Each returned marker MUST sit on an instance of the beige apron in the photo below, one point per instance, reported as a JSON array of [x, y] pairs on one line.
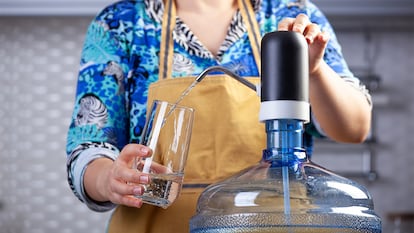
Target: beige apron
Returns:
[[226, 137]]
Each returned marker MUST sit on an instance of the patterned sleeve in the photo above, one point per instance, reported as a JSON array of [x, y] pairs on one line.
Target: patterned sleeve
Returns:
[[99, 124]]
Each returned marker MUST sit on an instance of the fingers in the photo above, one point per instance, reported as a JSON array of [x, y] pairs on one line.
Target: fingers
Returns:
[[323, 38], [311, 32], [286, 24], [319, 43], [125, 183], [302, 25], [316, 39], [122, 166], [131, 151], [158, 168], [124, 194], [298, 24], [128, 175]]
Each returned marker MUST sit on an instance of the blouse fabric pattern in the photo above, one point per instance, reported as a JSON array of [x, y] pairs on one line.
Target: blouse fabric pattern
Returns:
[[120, 60]]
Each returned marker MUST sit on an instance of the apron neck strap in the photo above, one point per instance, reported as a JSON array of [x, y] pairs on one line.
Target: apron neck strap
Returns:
[[167, 42], [253, 31], [168, 25]]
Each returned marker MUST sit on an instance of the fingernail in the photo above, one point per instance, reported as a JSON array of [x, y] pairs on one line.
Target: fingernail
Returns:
[[324, 37], [144, 179], [138, 204], [137, 191], [144, 150]]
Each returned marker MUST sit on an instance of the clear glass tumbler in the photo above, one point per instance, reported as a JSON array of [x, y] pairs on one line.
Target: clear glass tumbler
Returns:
[[167, 132]]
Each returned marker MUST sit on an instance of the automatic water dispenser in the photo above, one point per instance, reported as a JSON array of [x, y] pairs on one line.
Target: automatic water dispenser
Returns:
[[285, 191]]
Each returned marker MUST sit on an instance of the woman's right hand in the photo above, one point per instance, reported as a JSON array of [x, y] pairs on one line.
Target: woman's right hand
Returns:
[[317, 39], [116, 181]]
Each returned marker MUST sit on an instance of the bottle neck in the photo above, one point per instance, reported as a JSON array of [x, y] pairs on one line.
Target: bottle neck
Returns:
[[284, 142]]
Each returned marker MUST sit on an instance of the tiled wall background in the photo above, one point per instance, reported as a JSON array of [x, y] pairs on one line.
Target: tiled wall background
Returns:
[[39, 60], [38, 67]]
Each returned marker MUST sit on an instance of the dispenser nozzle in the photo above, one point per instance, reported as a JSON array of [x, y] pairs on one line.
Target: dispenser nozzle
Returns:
[[228, 72]]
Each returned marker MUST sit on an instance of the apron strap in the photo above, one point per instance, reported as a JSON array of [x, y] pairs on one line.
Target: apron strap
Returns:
[[168, 25], [167, 42], [249, 18]]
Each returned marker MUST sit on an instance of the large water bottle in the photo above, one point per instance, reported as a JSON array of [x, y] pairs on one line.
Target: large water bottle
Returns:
[[285, 192]]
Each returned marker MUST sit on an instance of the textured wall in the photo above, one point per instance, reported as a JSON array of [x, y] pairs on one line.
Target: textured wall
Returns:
[[390, 54], [39, 60], [38, 66]]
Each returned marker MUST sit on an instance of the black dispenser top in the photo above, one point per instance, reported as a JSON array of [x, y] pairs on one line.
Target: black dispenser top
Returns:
[[284, 67], [284, 79]]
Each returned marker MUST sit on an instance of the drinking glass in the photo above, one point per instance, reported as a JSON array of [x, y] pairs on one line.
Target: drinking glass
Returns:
[[167, 132]]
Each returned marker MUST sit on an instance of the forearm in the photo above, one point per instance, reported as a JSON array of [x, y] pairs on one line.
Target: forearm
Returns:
[[341, 109]]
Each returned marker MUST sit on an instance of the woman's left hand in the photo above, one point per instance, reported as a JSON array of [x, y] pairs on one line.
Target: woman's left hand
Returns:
[[317, 40]]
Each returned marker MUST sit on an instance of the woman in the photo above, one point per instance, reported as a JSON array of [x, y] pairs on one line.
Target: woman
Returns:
[[137, 51]]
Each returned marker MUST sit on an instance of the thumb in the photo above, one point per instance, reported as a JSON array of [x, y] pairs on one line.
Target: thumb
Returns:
[[317, 51], [320, 42]]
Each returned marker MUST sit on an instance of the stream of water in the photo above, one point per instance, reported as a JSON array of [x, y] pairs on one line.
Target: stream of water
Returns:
[[180, 98]]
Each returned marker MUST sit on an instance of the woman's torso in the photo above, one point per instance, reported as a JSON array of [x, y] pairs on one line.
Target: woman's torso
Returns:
[[190, 56]]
